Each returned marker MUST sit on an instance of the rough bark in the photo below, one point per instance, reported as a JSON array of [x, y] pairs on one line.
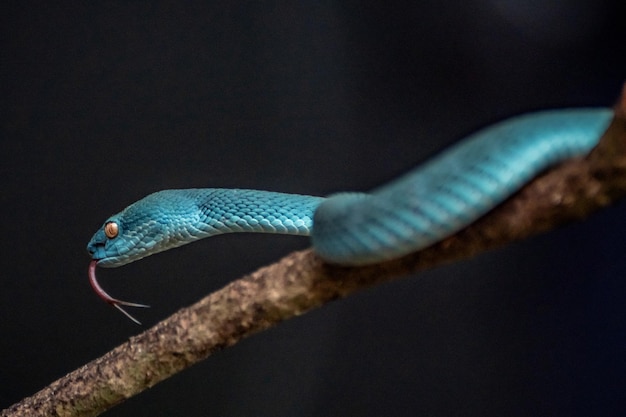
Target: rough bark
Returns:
[[301, 282]]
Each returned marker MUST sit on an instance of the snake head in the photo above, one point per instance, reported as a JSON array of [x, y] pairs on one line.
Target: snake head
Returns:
[[119, 242], [153, 224], [145, 227]]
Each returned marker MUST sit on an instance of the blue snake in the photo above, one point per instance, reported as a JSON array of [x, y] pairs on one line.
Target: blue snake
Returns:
[[431, 202]]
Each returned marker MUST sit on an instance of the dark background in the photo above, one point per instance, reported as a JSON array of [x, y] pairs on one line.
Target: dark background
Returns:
[[105, 102]]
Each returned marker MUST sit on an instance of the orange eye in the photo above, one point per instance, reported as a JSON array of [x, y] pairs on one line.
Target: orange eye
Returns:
[[111, 229]]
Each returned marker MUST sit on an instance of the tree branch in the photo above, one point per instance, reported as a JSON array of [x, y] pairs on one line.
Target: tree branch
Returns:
[[301, 282]]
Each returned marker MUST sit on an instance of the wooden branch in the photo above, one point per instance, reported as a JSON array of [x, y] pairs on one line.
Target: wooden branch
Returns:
[[301, 282]]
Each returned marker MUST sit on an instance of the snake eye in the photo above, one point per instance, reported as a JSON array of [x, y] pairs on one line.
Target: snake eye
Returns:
[[111, 229]]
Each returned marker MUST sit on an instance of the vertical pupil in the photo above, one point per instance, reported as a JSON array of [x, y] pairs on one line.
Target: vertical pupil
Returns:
[[110, 229]]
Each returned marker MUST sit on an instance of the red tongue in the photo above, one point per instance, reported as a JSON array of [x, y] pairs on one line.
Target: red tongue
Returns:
[[106, 297]]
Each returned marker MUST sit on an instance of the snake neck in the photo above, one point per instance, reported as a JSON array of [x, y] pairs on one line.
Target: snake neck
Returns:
[[240, 210]]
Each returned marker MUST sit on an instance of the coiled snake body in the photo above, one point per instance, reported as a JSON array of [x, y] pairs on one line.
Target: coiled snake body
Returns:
[[420, 208]]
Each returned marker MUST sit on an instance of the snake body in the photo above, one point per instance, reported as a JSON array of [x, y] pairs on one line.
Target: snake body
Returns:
[[414, 211]]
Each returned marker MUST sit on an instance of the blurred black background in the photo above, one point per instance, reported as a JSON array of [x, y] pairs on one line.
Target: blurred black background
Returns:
[[105, 102]]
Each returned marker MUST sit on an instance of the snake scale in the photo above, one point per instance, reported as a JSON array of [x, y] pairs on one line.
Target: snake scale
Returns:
[[427, 204]]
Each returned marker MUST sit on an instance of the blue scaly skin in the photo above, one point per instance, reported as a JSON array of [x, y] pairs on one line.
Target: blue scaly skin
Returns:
[[428, 204], [171, 218]]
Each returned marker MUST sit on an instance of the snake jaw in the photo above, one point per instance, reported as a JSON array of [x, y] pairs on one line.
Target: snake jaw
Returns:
[[107, 298]]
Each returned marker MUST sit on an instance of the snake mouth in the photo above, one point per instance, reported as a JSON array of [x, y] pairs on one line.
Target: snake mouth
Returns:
[[106, 297]]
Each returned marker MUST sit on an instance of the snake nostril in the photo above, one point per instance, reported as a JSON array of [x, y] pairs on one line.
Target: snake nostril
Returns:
[[92, 248]]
